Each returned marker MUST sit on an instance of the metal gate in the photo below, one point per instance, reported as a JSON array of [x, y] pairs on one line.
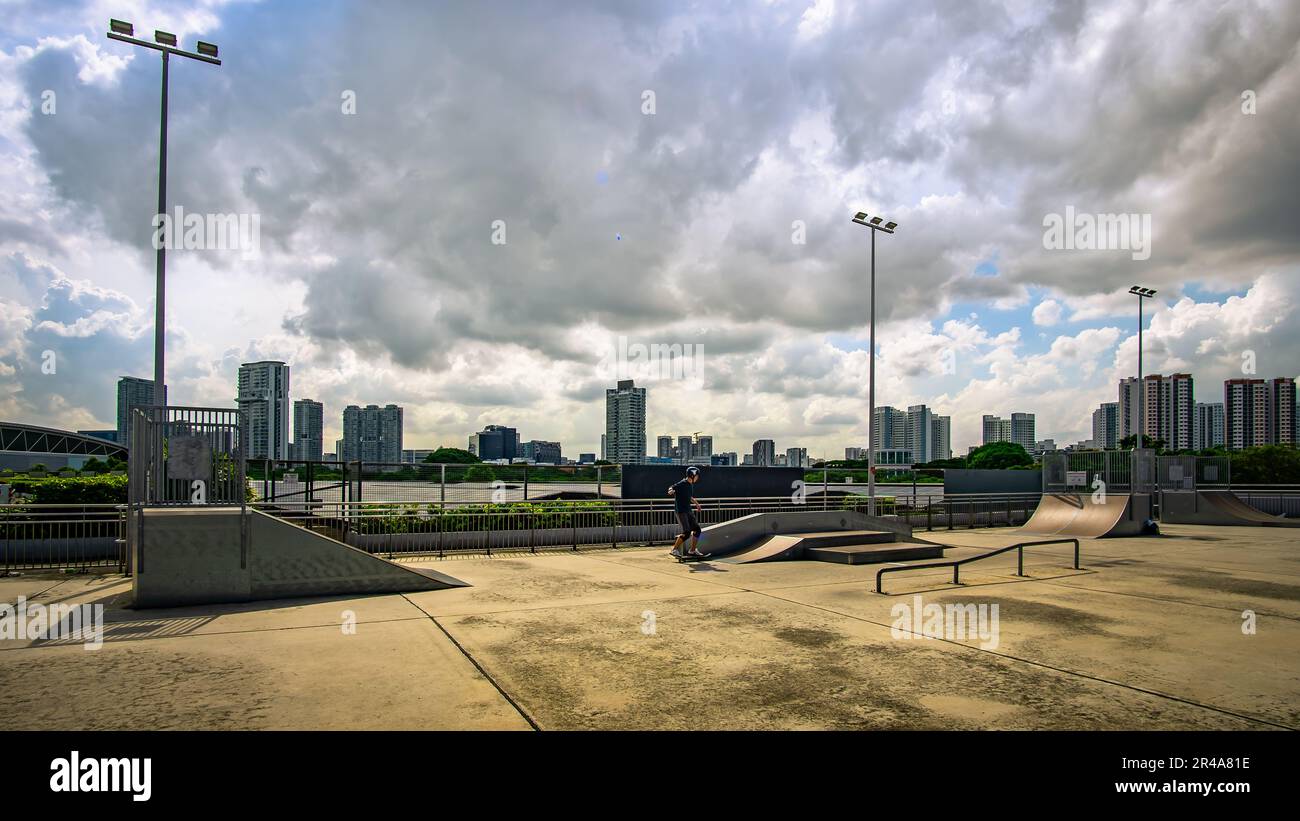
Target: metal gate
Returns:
[[1193, 472], [187, 456], [1122, 471], [183, 457]]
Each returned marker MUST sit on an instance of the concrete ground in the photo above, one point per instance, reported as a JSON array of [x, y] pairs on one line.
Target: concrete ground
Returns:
[[1149, 635]]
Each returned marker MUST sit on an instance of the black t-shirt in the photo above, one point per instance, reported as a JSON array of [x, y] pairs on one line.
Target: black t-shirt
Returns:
[[683, 492]]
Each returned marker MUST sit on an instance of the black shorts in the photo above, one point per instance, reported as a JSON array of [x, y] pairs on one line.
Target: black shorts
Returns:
[[689, 525]]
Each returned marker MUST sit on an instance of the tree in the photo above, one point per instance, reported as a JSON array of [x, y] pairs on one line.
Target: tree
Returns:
[[955, 462], [998, 456], [1267, 465], [1127, 442], [452, 456], [93, 465], [480, 473]]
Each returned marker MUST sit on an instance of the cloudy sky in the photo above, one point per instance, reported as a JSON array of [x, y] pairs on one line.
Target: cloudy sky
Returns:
[[469, 208]]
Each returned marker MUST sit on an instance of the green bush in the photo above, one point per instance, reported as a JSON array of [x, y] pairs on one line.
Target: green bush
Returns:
[[81, 490], [433, 518], [885, 505]]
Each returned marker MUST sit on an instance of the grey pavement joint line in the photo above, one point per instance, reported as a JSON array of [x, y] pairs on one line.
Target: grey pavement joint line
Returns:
[[524, 714]]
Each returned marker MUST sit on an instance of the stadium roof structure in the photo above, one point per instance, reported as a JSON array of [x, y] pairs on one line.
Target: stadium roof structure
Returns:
[[16, 437]]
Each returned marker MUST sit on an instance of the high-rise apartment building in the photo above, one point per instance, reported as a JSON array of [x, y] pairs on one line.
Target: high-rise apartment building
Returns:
[[1105, 426], [1282, 411], [796, 457], [941, 437], [1207, 426], [263, 396], [1245, 413], [920, 433], [703, 450], [625, 407], [1167, 404], [664, 449], [890, 429], [132, 392], [1018, 428], [764, 453], [372, 434], [308, 430]]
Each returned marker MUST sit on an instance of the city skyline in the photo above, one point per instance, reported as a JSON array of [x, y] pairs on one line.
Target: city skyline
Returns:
[[659, 233]]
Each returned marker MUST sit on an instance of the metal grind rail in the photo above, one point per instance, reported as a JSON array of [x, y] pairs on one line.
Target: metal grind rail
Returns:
[[956, 564]]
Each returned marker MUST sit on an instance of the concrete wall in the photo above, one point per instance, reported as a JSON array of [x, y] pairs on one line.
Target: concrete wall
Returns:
[[55, 551], [652, 481], [964, 480]]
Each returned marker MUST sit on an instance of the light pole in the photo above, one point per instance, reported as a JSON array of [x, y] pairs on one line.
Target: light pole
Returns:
[[1141, 293], [875, 224], [207, 53]]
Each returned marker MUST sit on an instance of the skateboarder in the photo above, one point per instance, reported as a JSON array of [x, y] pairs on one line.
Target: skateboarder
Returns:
[[683, 493]]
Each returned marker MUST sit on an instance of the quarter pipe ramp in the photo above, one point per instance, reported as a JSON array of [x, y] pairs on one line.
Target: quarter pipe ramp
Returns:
[[1074, 514], [1216, 507]]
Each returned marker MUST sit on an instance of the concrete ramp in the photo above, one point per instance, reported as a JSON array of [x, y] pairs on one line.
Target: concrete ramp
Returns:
[[846, 537], [745, 532], [1215, 507], [1074, 514], [210, 555]]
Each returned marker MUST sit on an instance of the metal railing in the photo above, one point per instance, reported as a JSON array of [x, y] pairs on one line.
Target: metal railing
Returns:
[[72, 535], [436, 528], [1277, 500], [313, 483], [956, 564], [53, 536]]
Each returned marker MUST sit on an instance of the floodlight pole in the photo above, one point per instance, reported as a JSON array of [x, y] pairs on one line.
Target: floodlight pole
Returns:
[[126, 35], [160, 292], [1142, 421], [871, 393], [875, 224]]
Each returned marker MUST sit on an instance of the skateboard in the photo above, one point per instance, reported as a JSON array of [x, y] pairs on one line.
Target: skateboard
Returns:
[[684, 559]]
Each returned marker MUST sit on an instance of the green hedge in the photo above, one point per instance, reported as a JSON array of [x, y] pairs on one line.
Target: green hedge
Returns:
[[79, 490], [885, 505], [432, 518]]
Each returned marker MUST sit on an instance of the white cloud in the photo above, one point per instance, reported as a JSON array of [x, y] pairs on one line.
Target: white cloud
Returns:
[[378, 282], [1047, 313]]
